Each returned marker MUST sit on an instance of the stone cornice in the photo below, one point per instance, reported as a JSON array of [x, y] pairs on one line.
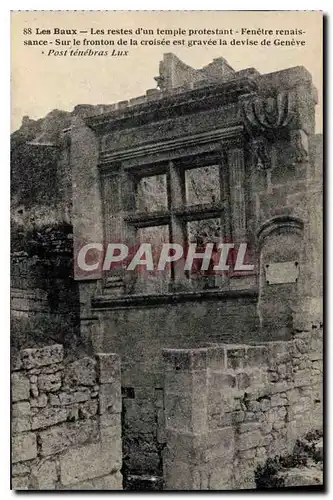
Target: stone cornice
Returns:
[[171, 106], [129, 301], [218, 135]]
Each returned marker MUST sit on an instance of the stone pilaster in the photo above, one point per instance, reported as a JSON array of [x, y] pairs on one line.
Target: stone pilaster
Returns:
[[237, 193], [186, 419]]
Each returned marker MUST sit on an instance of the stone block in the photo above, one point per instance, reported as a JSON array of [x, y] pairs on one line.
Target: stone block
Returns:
[[216, 357], [21, 417], [221, 381], [34, 358], [178, 382], [24, 447], [249, 454], [20, 386], [265, 404], [88, 462], [88, 409], [302, 378], [49, 382], [110, 421], [15, 361], [21, 409], [39, 402], [49, 416], [177, 476], [111, 482], [108, 366], [112, 435], [220, 444], [235, 357], [220, 475], [248, 427], [276, 414], [34, 390], [81, 372], [244, 474], [56, 367], [279, 352], [185, 359], [253, 406], [278, 400], [244, 380], [20, 483], [110, 398], [62, 436], [186, 412], [184, 447], [249, 440], [54, 400], [44, 476], [256, 356], [68, 398], [20, 469]]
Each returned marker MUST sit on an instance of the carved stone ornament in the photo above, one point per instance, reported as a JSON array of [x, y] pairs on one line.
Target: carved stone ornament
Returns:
[[266, 114], [263, 118]]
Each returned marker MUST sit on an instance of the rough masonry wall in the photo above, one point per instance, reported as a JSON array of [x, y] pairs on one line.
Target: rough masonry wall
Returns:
[[230, 407], [139, 335], [66, 430], [44, 295]]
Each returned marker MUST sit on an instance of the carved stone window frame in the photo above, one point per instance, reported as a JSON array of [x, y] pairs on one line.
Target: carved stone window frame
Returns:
[[213, 149]]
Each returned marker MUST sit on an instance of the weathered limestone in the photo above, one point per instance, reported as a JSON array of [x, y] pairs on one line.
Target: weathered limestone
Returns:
[[260, 130], [35, 358], [24, 447], [20, 387], [59, 437], [94, 460], [81, 372], [236, 406], [66, 422]]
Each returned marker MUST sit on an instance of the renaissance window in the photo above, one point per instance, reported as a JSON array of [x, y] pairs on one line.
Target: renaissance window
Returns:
[[186, 201]]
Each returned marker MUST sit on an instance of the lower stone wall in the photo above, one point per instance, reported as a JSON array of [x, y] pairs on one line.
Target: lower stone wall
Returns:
[[66, 421], [230, 407], [138, 335]]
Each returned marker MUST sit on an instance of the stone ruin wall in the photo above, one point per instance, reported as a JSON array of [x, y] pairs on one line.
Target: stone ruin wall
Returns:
[[145, 416], [230, 407], [226, 409], [66, 422]]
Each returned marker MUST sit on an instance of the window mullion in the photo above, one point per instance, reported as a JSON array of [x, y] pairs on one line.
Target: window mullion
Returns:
[[176, 194]]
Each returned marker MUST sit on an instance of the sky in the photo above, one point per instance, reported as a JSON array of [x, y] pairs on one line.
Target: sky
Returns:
[[41, 83]]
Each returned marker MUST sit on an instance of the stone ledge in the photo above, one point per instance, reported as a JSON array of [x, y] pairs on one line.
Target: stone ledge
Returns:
[[145, 300]]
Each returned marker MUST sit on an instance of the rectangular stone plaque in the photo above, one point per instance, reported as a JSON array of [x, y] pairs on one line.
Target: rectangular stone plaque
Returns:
[[282, 272]]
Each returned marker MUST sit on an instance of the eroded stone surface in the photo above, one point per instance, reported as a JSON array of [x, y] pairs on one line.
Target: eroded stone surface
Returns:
[[34, 358], [24, 447], [20, 387], [81, 372]]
